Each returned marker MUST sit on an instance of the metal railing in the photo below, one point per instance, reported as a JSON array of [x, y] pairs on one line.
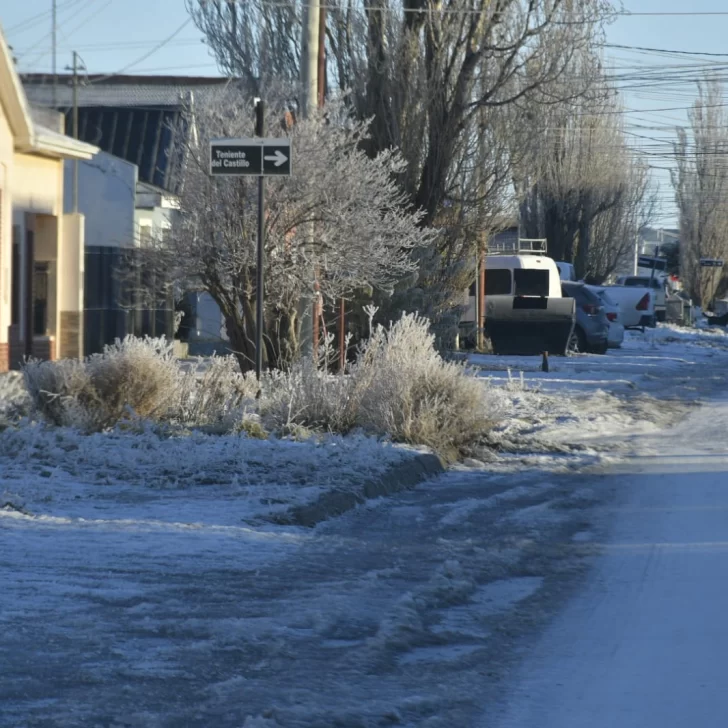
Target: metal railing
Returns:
[[521, 246]]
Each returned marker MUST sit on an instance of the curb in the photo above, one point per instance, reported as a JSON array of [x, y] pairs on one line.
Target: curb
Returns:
[[403, 476]]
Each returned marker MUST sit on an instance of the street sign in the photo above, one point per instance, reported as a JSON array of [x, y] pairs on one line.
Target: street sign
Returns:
[[711, 263], [646, 261], [255, 157]]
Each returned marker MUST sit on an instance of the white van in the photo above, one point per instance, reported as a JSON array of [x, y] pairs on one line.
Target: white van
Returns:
[[525, 273], [525, 311]]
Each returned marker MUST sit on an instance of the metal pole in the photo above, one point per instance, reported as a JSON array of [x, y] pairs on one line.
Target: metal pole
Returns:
[[75, 129], [476, 313], [309, 83], [54, 27], [481, 302], [342, 335], [259, 291]]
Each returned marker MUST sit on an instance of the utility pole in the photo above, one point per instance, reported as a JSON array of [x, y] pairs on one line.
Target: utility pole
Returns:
[[54, 28], [309, 83], [259, 292], [75, 68]]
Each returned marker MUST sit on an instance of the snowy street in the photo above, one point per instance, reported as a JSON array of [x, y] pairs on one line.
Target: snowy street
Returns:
[[645, 642], [576, 576]]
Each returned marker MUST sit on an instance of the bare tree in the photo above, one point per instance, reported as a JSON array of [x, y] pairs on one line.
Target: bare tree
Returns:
[[365, 229], [581, 186], [614, 232], [701, 190], [435, 79]]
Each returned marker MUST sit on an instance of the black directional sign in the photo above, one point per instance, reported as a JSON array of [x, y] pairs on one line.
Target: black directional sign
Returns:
[[267, 157], [711, 262], [646, 261]]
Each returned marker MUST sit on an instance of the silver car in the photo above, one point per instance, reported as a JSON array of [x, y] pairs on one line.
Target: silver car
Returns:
[[592, 325], [615, 336]]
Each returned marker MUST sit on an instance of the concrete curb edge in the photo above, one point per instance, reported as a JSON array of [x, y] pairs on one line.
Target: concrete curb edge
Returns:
[[402, 476]]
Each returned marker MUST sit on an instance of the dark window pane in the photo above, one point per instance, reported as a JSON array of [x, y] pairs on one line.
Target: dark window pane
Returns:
[[531, 282], [498, 282]]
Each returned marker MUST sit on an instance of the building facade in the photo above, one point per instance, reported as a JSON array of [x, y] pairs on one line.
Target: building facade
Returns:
[[41, 247]]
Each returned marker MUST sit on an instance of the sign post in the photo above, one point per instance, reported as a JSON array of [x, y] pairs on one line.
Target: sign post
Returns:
[[261, 158], [259, 283]]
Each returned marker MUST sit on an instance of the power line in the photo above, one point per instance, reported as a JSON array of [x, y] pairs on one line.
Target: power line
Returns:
[[144, 57], [31, 21]]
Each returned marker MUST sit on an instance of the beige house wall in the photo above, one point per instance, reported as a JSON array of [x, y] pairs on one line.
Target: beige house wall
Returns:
[[6, 202]]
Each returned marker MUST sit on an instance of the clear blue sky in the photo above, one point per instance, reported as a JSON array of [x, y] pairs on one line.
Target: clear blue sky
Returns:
[[115, 35]]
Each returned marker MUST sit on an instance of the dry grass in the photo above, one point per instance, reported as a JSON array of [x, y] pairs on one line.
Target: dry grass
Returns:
[[133, 378], [399, 387]]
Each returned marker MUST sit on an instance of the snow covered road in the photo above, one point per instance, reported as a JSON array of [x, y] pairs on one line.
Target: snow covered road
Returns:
[[128, 604], [645, 642]]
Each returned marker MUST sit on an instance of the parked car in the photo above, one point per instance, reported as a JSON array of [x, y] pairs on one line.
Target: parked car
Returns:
[[591, 331], [566, 271], [636, 305], [615, 337], [658, 286]]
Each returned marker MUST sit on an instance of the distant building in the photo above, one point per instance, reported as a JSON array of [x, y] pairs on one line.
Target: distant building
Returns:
[[41, 247], [145, 123]]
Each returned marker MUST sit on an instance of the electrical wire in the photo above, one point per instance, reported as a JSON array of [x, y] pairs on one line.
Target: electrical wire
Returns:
[[144, 57]]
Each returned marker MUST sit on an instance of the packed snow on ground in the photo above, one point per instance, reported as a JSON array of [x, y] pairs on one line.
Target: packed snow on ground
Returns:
[[644, 643], [197, 477], [586, 404], [142, 585]]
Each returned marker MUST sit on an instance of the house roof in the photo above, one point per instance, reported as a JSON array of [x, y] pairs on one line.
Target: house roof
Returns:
[[123, 91], [12, 97], [52, 143], [28, 135]]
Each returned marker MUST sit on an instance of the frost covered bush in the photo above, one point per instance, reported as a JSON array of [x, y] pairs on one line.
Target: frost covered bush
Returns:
[[131, 378], [14, 400], [399, 386], [309, 397], [217, 394], [408, 391]]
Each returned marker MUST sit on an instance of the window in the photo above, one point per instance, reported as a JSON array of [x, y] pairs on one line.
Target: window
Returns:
[[40, 299], [498, 282], [145, 235], [531, 282]]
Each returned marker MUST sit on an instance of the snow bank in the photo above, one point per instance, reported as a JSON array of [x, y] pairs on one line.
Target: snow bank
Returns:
[[43, 464]]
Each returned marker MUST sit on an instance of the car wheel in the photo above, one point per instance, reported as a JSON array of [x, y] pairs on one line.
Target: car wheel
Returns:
[[577, 342]]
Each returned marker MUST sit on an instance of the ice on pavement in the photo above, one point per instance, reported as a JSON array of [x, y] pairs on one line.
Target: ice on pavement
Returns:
[[141, 586]]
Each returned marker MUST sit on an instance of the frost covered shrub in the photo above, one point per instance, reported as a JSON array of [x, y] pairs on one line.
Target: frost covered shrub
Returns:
[[306, 396], [217, 393], [131, 378], [408, 391], [14, 401], [399, 386]]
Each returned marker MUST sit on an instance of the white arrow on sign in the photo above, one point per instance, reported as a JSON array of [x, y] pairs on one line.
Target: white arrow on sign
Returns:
[[278, 158]]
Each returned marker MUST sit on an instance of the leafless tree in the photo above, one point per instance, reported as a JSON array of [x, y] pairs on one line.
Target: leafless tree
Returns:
[[701, 190], [365, 229], [436, 79], [581, 186]]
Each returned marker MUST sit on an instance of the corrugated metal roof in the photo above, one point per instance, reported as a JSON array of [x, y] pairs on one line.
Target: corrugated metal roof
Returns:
[[123, 91]]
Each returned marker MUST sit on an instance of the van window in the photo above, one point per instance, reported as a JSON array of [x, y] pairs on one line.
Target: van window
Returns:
[[531, 282]]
